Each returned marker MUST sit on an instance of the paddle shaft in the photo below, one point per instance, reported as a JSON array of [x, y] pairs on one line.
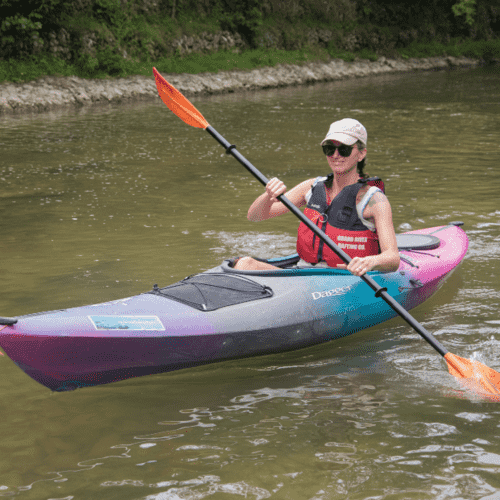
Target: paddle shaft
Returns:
[[379, 291]]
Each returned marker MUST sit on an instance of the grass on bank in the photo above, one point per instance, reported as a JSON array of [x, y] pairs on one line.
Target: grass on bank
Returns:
[[108, 64], [487, 50]]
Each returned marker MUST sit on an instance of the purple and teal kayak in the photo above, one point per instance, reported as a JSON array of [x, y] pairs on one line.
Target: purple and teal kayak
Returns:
[[223, 314]]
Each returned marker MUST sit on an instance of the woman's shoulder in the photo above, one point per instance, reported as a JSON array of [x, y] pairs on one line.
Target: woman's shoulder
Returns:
[[307, 184], [304, 189], [317, 180], [371, 196]]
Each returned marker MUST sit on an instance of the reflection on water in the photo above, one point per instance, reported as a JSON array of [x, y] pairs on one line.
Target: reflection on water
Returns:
[[101, 203]]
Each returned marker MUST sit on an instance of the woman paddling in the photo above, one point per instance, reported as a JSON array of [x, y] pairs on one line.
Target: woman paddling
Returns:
[[355, 215]]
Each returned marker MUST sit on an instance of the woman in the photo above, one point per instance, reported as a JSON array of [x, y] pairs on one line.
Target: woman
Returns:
[[356, 216]]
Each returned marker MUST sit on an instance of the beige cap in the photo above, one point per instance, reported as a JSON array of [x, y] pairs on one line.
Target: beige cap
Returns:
[[347, 131]]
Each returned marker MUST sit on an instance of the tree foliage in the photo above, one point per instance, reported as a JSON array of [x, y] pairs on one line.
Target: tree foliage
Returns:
[[77, 29], [465, 8]]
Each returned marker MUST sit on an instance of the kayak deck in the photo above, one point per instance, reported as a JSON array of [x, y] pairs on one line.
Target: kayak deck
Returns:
[[222, 314]]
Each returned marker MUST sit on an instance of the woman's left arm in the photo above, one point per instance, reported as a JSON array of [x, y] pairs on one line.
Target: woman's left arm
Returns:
[[379, 210]]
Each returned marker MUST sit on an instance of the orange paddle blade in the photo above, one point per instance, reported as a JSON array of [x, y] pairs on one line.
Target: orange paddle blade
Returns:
[[177, 103], [476, 373]]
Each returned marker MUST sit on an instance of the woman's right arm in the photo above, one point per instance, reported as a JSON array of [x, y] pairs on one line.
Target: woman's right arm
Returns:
[[267, 205]]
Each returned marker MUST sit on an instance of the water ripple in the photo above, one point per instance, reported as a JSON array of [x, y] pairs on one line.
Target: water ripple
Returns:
[[252, 243]]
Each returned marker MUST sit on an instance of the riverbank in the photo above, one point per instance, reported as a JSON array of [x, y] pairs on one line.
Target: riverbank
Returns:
[[49, 93]]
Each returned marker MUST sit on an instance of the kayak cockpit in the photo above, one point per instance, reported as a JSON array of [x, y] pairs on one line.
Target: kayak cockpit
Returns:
[[288, 265]]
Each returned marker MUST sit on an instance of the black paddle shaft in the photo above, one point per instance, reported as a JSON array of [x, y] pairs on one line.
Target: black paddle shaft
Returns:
[[379, 291]]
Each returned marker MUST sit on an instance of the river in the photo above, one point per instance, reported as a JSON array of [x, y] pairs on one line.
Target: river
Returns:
[[102, 203]]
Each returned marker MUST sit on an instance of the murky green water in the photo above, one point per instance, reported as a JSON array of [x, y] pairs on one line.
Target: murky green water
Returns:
[[103, 203]]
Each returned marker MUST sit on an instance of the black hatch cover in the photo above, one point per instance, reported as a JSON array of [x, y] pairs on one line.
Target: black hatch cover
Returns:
[[210, 291]]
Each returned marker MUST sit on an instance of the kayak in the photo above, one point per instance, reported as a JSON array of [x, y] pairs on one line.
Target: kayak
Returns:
[[224, 314]]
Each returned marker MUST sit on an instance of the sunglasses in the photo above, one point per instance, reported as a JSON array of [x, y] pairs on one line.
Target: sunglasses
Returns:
[[345, 151]]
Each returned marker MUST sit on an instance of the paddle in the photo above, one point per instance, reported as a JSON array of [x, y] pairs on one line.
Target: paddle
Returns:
[[478, 375]]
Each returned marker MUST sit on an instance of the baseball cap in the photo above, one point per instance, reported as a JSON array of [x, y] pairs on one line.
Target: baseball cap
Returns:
[[347, 131]]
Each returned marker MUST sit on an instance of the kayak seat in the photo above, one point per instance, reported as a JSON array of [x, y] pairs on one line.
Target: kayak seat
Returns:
[[283, 262], [211, 291]]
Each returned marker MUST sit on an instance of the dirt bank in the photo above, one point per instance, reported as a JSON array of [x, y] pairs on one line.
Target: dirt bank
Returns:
[[52, 92]]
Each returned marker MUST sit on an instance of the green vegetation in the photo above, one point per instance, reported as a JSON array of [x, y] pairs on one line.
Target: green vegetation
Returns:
[[227, 60], [487, 50], [110, 38], [465, 8], [31, 68]]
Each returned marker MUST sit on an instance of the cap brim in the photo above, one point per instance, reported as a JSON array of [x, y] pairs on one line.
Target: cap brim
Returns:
[[346, 139]]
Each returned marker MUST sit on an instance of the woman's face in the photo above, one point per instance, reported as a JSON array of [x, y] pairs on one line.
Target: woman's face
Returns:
[[342, 165]]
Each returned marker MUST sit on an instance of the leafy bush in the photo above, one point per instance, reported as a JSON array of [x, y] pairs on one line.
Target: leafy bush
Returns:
[[465, 8], [20, 35], [241, 16], [488, 50], [110, 12]]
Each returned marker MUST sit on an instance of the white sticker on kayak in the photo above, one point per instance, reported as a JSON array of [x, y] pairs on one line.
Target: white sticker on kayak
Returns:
[[127, 323], [331, 293]]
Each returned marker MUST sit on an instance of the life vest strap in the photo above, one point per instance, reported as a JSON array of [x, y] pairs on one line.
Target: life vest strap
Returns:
[[373, 181]]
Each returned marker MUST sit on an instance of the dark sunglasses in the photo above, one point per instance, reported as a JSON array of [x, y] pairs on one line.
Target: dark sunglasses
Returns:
[[345, 151]]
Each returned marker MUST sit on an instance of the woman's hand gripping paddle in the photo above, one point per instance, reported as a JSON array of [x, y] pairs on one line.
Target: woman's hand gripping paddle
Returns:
[[476, 376]]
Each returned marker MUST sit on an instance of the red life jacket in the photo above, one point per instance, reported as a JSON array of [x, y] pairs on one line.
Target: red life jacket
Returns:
[[340, 221]]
